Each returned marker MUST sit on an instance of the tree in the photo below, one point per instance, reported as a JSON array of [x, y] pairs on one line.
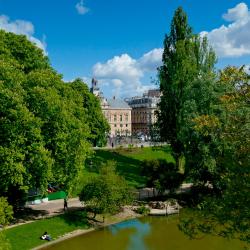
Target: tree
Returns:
[[107, 192], [226, 210], [46, 129], [186, 57], [162, 175], [176, 70], [20, 136], [98, 124]]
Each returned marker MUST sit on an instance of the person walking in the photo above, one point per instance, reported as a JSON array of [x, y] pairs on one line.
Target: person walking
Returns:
[[65, 205]]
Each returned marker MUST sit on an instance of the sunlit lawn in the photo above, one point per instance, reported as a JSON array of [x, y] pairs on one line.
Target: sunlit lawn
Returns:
[[128, 161], [28, 235]]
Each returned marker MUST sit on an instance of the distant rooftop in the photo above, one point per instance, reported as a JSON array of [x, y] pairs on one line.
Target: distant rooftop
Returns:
[[118, 104]]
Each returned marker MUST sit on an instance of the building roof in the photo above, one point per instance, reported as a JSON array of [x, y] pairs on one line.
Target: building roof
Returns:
[[118, 104]]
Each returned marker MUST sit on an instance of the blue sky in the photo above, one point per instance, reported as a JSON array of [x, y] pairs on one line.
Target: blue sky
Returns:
[[120, 42]]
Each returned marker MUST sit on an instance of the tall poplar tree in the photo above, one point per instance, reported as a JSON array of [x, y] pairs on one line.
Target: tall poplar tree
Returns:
[[173, 75], [186, 57]]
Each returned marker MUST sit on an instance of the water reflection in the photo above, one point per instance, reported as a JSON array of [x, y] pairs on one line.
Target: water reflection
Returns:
[[136, 240], [147, 233]]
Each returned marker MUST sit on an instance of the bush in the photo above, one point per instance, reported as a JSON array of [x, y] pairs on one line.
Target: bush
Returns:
[[6, 211], [143, 210], [161, 175]]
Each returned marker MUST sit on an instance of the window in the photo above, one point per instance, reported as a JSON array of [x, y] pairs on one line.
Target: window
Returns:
[[126, 125], [115, 118], [121, 125], [120, 118], [115, 125]]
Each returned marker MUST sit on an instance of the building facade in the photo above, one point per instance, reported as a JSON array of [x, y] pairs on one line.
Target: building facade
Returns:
[[116, 111], [143, 114], [118, 114]]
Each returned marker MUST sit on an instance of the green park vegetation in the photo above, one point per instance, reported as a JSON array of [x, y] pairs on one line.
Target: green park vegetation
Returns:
[[48, 128], [27, 236], [106, 193], [205, 114], [128, 161]]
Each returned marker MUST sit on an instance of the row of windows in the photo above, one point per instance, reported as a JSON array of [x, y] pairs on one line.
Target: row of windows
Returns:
[[116, 117], [121, 125], [121, 117]]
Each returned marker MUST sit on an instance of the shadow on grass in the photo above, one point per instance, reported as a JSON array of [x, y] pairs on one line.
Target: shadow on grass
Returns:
[[128, 161], [127, 167], [76, 218]]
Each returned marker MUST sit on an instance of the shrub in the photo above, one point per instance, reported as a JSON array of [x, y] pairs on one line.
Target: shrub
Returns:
[[143, 210]]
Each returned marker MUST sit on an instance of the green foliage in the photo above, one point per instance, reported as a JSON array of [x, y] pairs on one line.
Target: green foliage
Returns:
[[162, 175], [98, 124], [143, 210], [106, 193], [186, 58], [46, 126], [6, 215], [6, 212], [205, 117], [228, 127], [23, 54]]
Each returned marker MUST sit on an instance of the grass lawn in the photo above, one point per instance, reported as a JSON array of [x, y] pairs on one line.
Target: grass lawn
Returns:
[[28, 235], [128, 161]]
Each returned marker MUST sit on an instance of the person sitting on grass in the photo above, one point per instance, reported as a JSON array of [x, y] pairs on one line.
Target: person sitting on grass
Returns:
[[46, 236]]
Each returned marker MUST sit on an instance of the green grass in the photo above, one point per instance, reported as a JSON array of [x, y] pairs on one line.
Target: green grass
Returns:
[[28, 235], [128, 162]]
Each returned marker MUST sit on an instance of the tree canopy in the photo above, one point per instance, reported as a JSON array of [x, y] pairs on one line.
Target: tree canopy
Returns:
[[46, 131], [186, 57], [204, 114], [107, 192], [162, 175]]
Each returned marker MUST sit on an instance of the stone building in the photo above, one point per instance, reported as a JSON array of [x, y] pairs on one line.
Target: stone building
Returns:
[[118, 114], [143, 114], [116, 111]]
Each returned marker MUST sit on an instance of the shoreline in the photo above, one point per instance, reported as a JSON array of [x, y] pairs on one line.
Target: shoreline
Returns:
[[110, 221]]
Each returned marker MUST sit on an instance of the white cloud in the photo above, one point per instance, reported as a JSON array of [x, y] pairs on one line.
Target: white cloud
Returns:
[[22, 27], [232, 40], [240, 11], [81, 9], [124, 73], [151, 60]]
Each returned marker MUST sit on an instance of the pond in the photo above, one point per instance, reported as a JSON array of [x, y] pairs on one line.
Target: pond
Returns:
[[148, 233]]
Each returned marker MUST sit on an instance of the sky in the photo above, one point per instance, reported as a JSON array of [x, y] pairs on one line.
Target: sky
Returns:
[[120, 42]]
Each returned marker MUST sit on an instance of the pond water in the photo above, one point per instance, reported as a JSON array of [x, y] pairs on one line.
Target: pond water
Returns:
[[148, 233]]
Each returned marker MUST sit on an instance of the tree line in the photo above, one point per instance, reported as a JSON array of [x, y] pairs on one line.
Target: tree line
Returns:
[[204, 115]]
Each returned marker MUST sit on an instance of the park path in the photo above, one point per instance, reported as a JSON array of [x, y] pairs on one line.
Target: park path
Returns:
[[55, 207]]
